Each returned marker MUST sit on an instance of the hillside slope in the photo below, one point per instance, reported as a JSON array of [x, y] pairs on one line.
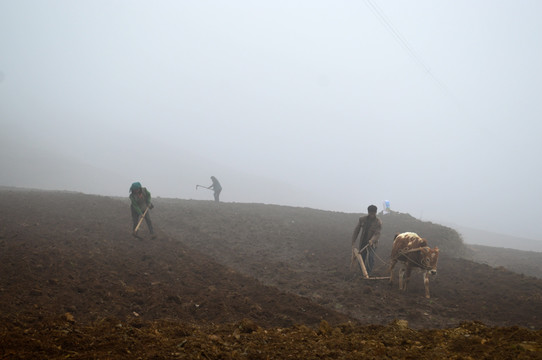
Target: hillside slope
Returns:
[[519, 261], [487, 238], [67, 252], [238, 281], [64, 252], [307, 252]]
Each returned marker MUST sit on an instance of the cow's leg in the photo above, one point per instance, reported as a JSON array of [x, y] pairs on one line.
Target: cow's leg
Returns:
[[407, 275], [426, 284], [402, 278], [393, 262]]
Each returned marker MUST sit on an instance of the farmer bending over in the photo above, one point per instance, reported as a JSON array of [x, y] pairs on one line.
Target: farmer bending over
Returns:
[[140, 199]]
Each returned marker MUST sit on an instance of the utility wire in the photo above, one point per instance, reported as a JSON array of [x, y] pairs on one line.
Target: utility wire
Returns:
[[379, 13]]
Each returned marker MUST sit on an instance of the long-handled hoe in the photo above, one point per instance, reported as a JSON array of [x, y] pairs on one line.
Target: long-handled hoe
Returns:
[[140, 222]]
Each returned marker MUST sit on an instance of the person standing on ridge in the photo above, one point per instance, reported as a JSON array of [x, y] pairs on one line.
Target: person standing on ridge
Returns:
[[216, 188], [370, 234], [140, 200]]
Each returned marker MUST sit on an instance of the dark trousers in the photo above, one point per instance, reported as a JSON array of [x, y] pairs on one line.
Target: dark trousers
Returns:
[[217, 195], [135, 220], [368, 258]]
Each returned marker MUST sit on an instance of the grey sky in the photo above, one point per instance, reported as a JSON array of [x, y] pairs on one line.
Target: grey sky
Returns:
[[335, 105]]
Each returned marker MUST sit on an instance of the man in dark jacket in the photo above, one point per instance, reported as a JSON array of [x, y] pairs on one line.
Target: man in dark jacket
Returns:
[[140, 200], [370, 234]]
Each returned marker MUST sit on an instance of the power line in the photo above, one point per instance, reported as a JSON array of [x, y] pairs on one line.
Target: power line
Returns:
[[379, 13]]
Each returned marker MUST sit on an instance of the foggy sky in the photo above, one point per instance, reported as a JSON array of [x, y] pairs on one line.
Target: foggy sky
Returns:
[[335, 105]]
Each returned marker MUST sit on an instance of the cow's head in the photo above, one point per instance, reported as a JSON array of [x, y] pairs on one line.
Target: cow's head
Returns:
[[430, 259]]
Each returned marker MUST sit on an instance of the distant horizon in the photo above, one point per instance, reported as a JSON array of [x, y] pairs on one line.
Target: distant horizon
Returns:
[[470, 235]]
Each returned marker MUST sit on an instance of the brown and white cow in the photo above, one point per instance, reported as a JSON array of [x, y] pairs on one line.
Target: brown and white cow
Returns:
[[412, 251]]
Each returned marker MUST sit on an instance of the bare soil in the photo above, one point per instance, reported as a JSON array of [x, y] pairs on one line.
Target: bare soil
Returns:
[[240, 281]]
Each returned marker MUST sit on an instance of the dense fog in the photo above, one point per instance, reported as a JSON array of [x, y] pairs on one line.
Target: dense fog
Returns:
[[330, 105]]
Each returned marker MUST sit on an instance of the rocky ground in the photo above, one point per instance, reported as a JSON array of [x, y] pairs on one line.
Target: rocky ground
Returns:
[[240, 281]]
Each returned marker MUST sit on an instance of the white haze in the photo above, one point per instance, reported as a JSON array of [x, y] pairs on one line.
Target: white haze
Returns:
[[433, 105]]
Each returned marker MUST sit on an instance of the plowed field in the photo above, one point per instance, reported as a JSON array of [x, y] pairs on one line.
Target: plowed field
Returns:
[[240, 281]]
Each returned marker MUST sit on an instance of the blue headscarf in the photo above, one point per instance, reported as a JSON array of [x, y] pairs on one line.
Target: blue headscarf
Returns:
[[135, 186]]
